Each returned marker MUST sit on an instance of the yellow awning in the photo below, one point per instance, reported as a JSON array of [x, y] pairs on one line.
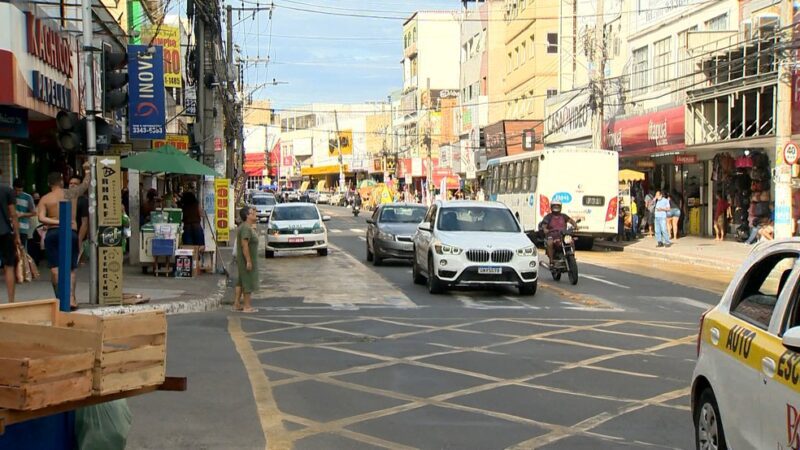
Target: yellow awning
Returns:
[[322, 170], [304, 186], [321, 186], [630, 175]]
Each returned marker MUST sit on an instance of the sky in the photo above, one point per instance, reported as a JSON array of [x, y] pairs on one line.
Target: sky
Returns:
[[325, 57]]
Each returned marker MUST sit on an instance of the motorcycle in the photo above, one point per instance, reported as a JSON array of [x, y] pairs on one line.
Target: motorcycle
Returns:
[[564, 257], [356, 210]]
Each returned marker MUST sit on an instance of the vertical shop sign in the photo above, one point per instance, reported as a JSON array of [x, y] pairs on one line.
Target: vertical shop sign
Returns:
[[169, 38], [110, 233], [223, 205], [146, 108]]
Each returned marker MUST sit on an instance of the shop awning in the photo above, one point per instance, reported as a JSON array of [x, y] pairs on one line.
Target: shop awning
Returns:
[[630, 175], [167, 159], [304, 186], [321, 186], [322, 170]]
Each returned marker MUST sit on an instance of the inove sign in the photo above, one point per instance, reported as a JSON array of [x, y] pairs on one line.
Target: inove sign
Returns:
[[146, 107], [562, 197]]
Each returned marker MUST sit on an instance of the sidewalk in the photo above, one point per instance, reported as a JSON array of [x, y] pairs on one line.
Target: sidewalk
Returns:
[[172, 295], [707, 252]]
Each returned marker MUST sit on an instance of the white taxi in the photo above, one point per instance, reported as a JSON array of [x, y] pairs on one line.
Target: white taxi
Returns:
[[746, 383], [466, 243], [296, 227]]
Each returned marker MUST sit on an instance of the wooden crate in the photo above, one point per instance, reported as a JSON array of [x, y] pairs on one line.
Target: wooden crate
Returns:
[[130, 349], [41, 366]]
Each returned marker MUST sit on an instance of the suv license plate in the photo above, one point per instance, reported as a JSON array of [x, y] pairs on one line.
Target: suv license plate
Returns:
[[294, 240], [490, 270]]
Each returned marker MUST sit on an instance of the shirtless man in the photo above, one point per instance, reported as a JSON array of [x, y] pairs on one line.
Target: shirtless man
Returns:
[[48, 215]]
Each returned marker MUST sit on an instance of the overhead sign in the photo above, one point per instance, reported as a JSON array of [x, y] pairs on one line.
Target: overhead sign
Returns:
[[685, 159], [169, 38], [146, 109], [179, 141], [189, 102], [656, 132], [568, 120], [110, 233], [223, 205], [13, 122], [345, 143], [790, 153]]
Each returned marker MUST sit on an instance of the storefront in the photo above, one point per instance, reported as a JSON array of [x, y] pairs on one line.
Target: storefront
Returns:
[[39, 74]]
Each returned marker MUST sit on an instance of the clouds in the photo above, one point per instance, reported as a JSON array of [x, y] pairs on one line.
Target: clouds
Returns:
[[339, 58]]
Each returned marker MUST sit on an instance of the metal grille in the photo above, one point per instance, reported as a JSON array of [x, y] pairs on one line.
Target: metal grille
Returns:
[[502, 256], [478, 255]]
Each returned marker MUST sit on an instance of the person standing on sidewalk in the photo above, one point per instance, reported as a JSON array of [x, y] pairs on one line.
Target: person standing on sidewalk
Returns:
[[25, 210], [662, 207], [48, 212], [650, 209], [720, 217], [9, 238], [246, 264]]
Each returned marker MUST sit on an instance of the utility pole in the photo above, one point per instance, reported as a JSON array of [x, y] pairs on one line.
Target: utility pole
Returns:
[[429, 146], [231, 91], [598, 78], [91, 143], [339, 148], [200, 50], [783, 132]]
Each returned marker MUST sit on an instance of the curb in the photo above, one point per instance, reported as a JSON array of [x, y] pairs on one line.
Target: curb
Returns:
[[211, 303], [666, 256]]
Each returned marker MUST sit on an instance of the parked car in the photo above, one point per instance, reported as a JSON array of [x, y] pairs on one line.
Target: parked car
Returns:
[[263, 204], [471, 243], [390, 230], [311, 196], [337, 199], [296, 227], [324, 198], [746, 383]]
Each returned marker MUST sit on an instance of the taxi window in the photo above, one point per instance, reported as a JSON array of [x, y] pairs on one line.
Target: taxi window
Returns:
[[758, 294], [792, 317]]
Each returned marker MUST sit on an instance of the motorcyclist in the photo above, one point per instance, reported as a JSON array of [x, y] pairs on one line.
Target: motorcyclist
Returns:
[[554, 224], [357, 201]]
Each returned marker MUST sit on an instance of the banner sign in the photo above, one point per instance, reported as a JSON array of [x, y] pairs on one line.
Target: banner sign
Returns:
[[657, 132], [13, 122], [179, 141], [110, 233], [223, 205], [146, 108], [170, 39], [189, 102]]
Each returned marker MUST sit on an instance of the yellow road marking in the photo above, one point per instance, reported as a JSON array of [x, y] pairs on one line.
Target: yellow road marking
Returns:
[[275, 435]]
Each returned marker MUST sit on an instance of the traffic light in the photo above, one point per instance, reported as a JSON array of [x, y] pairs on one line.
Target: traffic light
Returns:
[[70, 131], [115, 78], [103, 133]]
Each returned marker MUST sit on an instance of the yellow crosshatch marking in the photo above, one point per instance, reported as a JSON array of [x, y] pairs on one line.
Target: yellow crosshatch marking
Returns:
[[548, 330]]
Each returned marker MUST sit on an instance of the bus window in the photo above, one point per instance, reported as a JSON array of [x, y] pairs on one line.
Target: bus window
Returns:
[[503, 179], [489, 180], [518, 176], [526, 176], [534, 174]]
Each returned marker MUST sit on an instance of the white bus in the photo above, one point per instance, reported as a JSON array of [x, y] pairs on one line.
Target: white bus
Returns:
[[585, 180]]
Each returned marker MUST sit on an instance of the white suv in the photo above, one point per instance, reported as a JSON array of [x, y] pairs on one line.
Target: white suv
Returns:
[[473, 244], [296, 227]]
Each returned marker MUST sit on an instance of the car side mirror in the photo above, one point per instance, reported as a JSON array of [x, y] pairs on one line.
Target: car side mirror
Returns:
[[370, 221], [326, 218], [791, 338], [425, 226]]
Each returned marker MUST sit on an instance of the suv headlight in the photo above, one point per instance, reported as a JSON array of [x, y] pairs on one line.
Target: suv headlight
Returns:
[[444, 249], [384, 236], [527, 251]]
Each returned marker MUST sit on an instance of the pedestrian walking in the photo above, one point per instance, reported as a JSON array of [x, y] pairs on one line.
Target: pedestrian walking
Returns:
[[720, 217], [246, 263], [193, 233], [9, 238], [661, 209], [673, 215], [26, 209], [650, 205], [634, 219], [83, 219]]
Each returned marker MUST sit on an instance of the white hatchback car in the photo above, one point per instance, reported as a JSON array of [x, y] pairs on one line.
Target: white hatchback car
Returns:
[[746, 383], [472, 244], [296, 227]]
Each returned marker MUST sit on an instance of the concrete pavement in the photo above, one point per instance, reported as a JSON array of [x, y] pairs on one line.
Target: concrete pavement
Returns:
[[704, 252]]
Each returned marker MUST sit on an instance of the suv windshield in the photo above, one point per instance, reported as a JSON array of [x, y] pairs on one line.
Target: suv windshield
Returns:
[[295, 213], [403, 214], [263, 200], [477, 218]]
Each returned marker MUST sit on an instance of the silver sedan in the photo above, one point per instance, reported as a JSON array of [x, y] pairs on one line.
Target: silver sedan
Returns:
[[390, 229]]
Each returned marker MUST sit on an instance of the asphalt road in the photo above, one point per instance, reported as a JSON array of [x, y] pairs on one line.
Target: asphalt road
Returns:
[[345, 355]]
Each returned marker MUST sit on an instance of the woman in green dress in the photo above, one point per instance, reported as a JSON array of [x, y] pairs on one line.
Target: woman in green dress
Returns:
[[246, 250]]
